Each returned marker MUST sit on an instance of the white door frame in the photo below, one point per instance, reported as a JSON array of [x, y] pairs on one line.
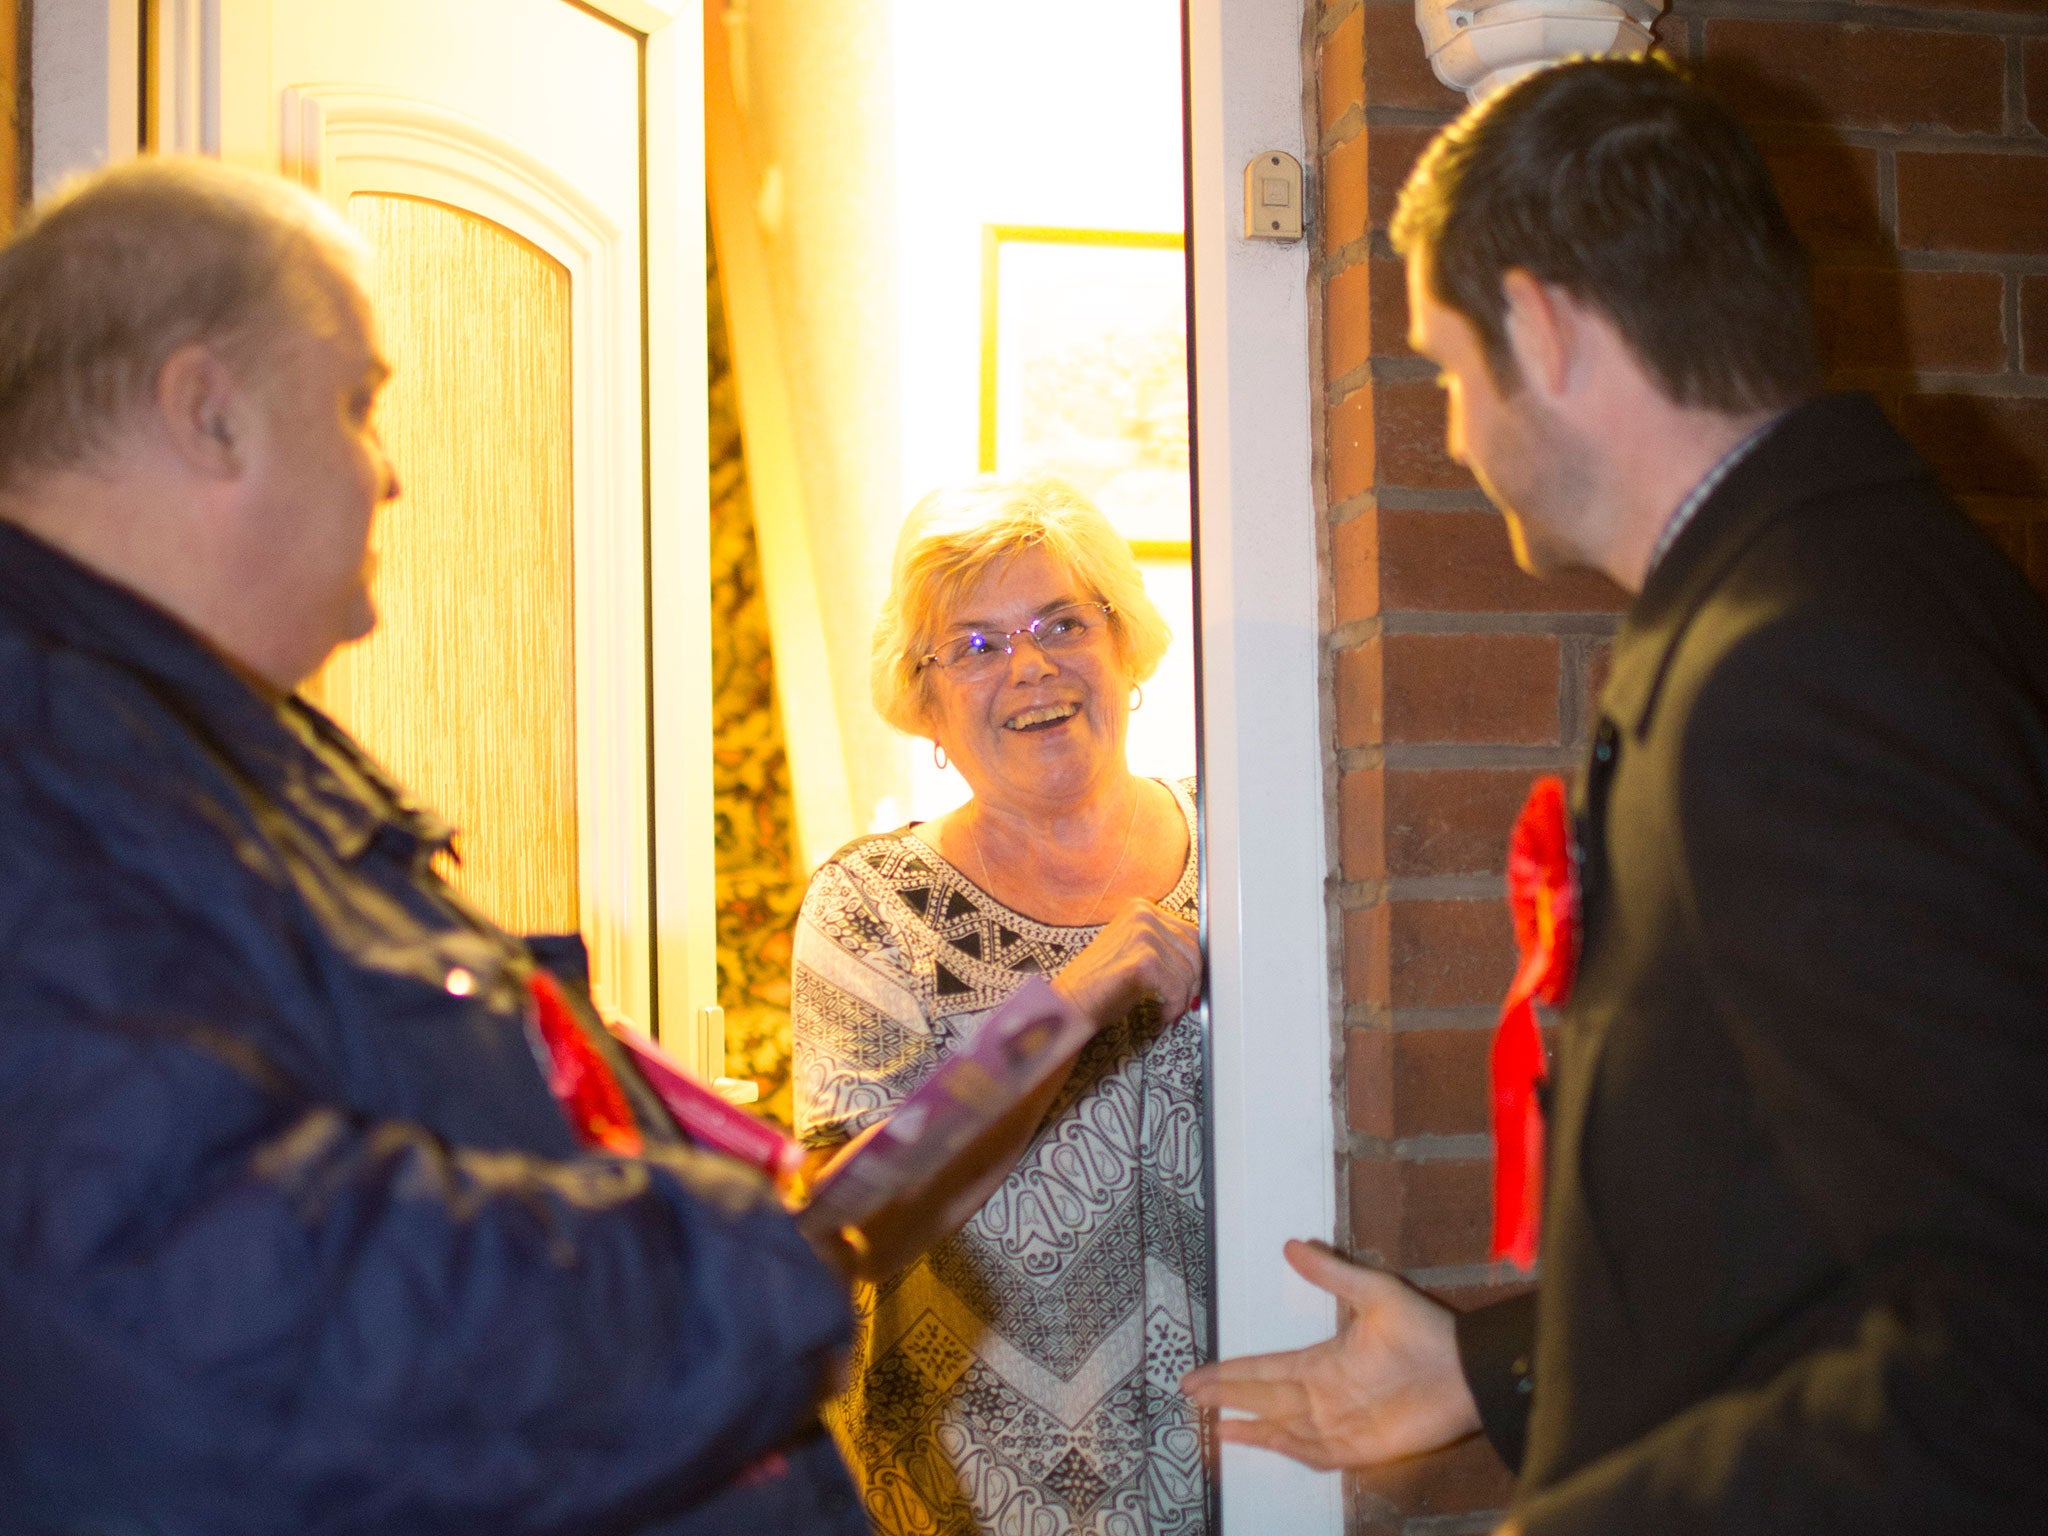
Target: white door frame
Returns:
[[1263, 741], [1263, 736]]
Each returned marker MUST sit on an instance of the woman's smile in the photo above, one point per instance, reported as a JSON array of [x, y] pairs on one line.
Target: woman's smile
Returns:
[[1043, 717]]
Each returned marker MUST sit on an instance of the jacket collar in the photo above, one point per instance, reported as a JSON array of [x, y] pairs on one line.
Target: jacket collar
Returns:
[[1831, 444], [289, 749]]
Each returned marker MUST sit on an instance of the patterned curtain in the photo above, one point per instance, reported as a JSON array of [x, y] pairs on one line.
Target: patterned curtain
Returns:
[[759, 884]]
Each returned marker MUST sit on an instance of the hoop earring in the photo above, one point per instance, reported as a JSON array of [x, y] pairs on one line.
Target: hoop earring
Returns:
[[938, 757], [1137, 698]]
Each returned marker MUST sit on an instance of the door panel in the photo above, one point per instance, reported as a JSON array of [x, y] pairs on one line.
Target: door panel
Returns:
[[490, 151], [467, 688]]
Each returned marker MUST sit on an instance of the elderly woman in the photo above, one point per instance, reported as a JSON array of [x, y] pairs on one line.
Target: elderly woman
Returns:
[[1022, 1375]]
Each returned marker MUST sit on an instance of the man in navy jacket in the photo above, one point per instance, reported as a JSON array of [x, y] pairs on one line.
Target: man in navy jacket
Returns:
[[294, 1235], [1794, 1259]]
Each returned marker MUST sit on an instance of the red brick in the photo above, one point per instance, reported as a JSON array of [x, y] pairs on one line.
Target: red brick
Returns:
[[1360, 698], [1368, 953], [1670, 33], [1347, 321], [1351, 446], [1981, 445], [1365, 315], [1451, 821], [1858, 77], [1362, 824], [1408, 418], [1829, 190], [2034, 323], [1463, 1298], [1340, 73], [1421, 1215], [1428, 954], [1438, 1079], [1355, 559], [1457, 1480], [1365, 1515], [1369, 1081], [2015, 7], [1393, 154], [2037, 83], [1599, 660], [1397, 72], [1344, 192], [1973, 202], [1390, 309], [1881, 317], [1470, 688], [1448, 954], [1461, 562]]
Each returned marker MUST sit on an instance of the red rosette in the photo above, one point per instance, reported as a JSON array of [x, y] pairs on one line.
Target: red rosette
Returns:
[[1543, 897], [581, 1079]]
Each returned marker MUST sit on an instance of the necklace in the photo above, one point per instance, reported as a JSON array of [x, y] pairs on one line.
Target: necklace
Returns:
[[1088, 920]]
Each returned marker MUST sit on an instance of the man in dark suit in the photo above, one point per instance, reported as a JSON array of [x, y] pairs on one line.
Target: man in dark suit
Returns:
[[1794, 1261]]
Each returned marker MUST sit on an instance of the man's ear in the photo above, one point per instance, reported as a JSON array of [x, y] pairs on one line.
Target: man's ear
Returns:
[[1543, 330], [201, 407]]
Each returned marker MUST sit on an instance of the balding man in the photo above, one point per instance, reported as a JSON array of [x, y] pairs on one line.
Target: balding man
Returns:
[[294, 1235]]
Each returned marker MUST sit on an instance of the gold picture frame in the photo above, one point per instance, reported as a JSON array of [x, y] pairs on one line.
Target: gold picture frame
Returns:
[[1084, 371]]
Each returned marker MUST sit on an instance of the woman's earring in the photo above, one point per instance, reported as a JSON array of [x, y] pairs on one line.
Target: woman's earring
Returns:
[[1137, 698], [938, 756]]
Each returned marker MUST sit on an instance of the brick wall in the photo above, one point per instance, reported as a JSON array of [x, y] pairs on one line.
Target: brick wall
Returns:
[[1915, 156], [1912, 151]]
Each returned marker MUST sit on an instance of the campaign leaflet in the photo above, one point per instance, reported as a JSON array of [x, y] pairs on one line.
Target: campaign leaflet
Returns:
[[706, 1119], [1017, 1048], [1025, 1041]]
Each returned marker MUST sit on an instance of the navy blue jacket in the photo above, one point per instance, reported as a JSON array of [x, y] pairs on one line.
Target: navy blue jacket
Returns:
[[294, 1237]]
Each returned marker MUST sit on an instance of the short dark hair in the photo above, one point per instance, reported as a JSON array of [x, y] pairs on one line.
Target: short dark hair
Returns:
[[1630, 187]]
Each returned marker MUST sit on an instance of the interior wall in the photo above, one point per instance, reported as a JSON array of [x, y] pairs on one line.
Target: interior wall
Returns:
[[813, 88], [1914, 162]]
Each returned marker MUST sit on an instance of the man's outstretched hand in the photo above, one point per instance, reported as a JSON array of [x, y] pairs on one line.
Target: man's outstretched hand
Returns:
[[1388, 1385]]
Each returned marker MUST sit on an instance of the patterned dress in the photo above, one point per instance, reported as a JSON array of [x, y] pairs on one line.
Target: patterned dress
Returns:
[[1022, 1377]]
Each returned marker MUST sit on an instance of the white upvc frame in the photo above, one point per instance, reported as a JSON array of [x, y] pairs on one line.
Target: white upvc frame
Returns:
[[1263, 735]]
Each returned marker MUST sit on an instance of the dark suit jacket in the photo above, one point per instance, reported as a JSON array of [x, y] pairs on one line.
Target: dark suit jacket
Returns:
[[1795, 1254]]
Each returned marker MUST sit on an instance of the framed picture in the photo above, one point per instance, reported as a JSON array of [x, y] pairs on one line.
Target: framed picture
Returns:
[[1084, 371]]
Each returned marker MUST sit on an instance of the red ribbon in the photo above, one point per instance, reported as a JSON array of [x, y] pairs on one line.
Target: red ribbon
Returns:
[[582, 1080], [1543, 896]]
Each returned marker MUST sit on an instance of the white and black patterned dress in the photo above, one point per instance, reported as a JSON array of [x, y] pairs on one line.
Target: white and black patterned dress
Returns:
[[1022, 1378]]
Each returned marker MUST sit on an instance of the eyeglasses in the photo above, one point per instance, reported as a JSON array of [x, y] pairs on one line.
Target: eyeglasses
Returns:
[[1064, 629]]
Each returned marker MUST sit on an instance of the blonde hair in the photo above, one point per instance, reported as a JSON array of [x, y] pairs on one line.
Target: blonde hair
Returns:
[[956, 536], [120, 269]]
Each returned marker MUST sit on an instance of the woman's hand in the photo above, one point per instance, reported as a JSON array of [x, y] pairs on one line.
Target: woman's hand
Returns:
[[1143, 951]]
